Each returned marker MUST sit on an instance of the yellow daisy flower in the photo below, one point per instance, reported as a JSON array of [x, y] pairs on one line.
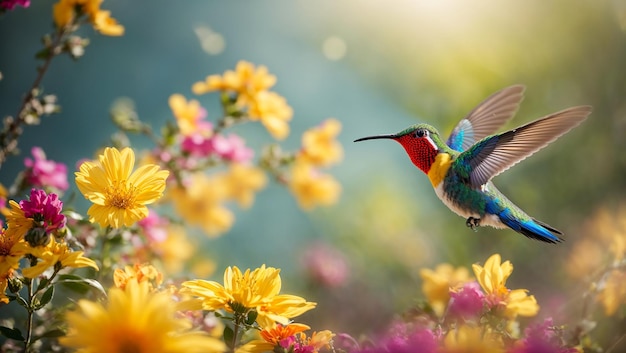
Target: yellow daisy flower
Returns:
[[119, 195], [312, 188], [134, 320], [437, 283], [52, 254], [319, 144], [10, 252], [492, 278], [251, 290], [17, 222]]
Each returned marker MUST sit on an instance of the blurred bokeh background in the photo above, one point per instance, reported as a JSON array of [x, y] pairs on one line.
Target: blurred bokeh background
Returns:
[[377, 66]]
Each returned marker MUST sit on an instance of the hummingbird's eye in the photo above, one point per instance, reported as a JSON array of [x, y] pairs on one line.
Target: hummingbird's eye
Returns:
[[421, 133]]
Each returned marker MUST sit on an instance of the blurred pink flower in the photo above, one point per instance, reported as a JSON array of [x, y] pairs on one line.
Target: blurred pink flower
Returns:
[[42, 172], [325, 264], [231, 147], [154, 227], [10, 4], [466, 303], [402, 338], [542, 338]]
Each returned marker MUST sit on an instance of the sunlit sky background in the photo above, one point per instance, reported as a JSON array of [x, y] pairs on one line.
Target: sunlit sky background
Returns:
[[377, 66]]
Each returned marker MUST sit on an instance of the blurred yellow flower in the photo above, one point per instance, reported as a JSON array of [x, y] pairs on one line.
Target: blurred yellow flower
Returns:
[[139, 273], [492, 278], [312, 188], [612, 291], [52, 254], [188, 114], [252, 290], [65, 13], [200, 203], [469, 339], [273, 112], [118, 194], [607, 228], [11, 251], [317, 341], [3, 198], [242, 181], [437, 284], [134, 320], [247, 81], [319, 144], [175, 249]]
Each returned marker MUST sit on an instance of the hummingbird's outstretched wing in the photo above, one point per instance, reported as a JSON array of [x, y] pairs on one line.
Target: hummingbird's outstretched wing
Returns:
[[495, 154], [486, 118]]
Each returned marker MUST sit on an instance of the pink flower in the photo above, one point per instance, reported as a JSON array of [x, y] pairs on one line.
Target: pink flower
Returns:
[[466, 303], [197, 145], [45, 210], [42, 173], [325, 265], [231, 148], [10, 4], [402, 338], [154, 227], [542, 338]]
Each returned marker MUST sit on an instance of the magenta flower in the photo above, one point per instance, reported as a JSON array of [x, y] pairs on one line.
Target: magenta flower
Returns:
[[542, 338], [325, 265], [45, 210], [466, 303], [42, 172], [402, 338], [196, 145], [154, 227], [10, 4]]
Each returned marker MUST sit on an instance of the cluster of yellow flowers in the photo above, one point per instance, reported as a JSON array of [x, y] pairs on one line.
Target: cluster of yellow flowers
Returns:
[[158, 326], [201, 201], [251, 86]]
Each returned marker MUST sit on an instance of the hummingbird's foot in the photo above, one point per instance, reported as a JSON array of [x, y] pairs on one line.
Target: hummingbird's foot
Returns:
[[473, 223]]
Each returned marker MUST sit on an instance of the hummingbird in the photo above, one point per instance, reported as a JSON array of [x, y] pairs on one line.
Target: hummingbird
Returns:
[[461, 168]]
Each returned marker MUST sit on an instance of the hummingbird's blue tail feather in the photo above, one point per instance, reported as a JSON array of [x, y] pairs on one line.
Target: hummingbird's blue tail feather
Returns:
[[531, 228]]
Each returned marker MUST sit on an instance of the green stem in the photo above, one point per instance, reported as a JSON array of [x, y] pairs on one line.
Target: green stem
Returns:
[[12, 131]]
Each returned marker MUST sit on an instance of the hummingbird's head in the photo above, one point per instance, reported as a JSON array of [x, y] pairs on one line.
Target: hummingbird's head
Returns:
[[421, 142]]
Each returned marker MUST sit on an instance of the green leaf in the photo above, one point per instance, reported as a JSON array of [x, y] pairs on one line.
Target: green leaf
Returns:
[[252, 315], [12, 333], [22, 302], [228, 336], [81, 285], [45, 298], [42, 283]]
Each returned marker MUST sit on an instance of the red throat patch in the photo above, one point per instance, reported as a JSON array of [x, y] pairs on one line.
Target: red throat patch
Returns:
[[420, 150]]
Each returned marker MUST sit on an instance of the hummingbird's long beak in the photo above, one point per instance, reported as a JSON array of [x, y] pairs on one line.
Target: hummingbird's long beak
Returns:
[[376, 137]]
